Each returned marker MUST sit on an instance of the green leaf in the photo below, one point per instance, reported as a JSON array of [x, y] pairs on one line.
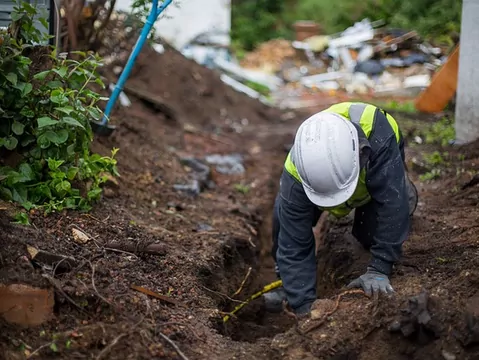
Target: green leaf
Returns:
[[17, 128], [65, 109], [93, 194], [58, 97], [53, 347], [21, 217], [58, 137], [27, 140], [46, 121], [19, 194], [54, 164], [71, 173], [62, 71], [72, 121], [5, 193], [12, 77], [41, 75], [11, 143], [28, 89], [55, 84], [44, 143], [16, 16], [65, 186], [27, 172], [71, 149], [27, 112]]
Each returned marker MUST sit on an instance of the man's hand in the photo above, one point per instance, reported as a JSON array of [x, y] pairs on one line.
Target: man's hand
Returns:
[[372, 282]]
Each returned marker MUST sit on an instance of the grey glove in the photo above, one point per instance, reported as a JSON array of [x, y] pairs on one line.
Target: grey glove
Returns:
[[372, 282]]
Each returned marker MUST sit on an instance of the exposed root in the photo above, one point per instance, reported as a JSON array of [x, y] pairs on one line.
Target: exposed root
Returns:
[[242, 283]]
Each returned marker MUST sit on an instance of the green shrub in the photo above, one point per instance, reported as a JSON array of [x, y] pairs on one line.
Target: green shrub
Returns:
[[45, 124]]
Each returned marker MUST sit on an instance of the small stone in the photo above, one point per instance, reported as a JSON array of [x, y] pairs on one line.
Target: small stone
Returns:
[[448, 356], [79, 236]]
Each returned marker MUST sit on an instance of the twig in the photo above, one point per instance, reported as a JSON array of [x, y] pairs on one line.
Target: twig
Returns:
[[121, 251], [156, 295], [177, 349], [94, 287], [222, 295], [40, 348], [110, 346], [57, 286], [251, 242], [250, 228], [118, 338], [243, 282]]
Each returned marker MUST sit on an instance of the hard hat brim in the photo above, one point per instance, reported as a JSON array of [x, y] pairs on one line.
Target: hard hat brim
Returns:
[[334, 199]]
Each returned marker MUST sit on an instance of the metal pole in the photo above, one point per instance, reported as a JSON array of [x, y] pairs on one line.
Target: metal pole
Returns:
[[467, 95], [154, 13]]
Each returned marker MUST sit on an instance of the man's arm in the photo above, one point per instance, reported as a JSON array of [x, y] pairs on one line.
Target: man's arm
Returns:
[[295, 256], [386, 183]]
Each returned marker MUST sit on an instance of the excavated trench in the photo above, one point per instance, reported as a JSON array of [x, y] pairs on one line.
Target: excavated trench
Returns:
[[336, 266]]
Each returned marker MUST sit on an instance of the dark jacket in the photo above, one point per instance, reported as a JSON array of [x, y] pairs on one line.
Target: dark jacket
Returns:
[[386, 183]]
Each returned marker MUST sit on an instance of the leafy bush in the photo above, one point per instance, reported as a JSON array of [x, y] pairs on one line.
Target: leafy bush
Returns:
[[45, 132], [254, 21]]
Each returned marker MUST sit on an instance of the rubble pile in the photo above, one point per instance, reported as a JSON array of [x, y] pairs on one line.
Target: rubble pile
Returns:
[[365, 59]]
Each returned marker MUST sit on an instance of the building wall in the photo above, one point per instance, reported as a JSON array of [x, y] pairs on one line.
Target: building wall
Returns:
[[187, 18]]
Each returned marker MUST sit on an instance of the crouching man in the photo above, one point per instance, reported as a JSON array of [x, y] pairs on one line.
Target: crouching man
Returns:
[[349, 156]]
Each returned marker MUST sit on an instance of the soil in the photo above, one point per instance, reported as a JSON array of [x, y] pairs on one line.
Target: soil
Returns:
[[206, 243]]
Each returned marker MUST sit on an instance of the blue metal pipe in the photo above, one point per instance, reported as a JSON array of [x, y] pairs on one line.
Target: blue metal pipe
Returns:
[[152, 17]]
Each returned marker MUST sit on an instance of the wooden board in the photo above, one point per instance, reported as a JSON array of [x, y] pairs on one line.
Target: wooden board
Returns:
[[442, 88]]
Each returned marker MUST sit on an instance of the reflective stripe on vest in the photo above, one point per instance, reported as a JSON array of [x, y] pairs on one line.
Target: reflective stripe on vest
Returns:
[[363, 115]]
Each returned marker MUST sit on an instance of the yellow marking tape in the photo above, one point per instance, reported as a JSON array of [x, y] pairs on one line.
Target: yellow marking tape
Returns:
[[266, 289]]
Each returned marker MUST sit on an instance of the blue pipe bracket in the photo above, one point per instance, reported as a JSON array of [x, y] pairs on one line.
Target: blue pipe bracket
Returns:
[[150, 21]]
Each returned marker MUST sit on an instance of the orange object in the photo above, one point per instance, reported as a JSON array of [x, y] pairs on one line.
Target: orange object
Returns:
[[156, 295], [442, 88]]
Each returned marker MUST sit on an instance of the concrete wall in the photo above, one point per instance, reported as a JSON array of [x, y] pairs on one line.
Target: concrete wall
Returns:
[[467, 99], [187, 18]]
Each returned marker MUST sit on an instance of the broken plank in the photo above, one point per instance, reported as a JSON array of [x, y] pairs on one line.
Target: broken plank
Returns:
[[442, 88]]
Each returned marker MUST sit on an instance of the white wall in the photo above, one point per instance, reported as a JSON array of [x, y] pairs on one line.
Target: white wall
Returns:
[[187, 18]]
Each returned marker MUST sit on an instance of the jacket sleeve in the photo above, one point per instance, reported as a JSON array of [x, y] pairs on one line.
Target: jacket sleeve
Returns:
[[295, 256], [386, 182]]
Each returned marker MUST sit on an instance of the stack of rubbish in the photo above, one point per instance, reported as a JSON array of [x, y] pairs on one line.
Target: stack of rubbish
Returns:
[[366, 58]]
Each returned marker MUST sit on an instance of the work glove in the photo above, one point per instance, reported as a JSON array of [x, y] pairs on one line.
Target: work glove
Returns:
[[372, 282]]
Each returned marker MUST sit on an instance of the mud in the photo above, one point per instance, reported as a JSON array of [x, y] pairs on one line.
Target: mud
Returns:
[[208, 242]]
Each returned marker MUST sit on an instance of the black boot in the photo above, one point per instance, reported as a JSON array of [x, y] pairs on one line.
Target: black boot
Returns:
[[273, 300]]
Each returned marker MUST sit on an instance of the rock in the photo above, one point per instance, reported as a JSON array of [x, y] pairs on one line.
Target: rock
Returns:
[[321, 307], [25, 305], [79, 236], [448, 356]]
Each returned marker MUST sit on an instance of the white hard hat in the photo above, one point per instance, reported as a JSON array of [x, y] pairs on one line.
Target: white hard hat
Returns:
[[326, 155]]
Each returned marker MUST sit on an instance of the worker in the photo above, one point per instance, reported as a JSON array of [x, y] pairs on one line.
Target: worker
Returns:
[[349, 156]]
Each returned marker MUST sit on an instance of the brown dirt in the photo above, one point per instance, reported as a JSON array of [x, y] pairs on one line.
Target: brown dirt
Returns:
[[98, 315]]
